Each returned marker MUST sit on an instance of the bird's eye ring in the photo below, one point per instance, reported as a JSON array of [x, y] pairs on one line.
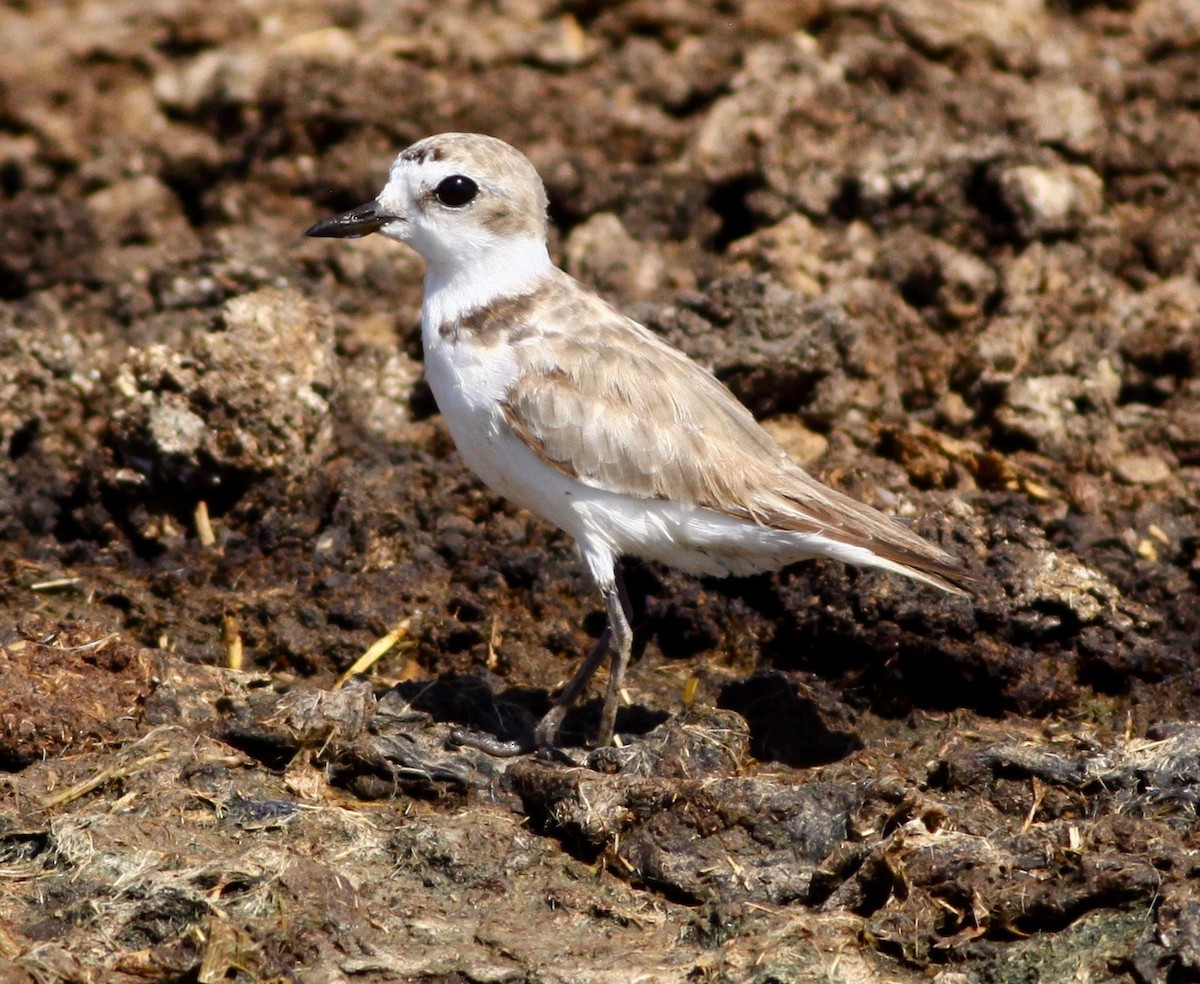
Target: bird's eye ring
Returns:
[[456, 191]]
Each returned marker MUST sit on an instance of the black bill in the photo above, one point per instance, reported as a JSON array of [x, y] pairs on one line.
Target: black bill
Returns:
[[360, 221]]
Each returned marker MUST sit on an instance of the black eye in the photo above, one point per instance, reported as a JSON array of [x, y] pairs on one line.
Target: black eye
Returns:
[[456, 191]]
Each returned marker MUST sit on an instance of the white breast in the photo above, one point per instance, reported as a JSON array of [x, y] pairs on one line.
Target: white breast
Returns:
[[469, 382]]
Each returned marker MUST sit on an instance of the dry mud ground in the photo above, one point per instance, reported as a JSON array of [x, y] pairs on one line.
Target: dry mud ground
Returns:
[[946, 249]]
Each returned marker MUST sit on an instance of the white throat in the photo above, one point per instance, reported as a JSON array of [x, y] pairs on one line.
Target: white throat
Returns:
[[454, 286]]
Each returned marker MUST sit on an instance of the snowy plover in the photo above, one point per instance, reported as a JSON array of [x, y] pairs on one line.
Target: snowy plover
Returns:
[[572, 410]]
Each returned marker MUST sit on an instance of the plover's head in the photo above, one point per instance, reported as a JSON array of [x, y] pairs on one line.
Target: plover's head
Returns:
[[455, 198]]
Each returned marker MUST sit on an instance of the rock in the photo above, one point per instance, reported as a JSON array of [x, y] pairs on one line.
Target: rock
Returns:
[[933, 274], [1161, 337], [1059, 413], [45, 240], [942, 26], [381, 396], [804, 446], [245, 400], [20, 161], [141, 210], [777, 352], [695, 72], [1141, 469], [601, 253], [1168, 25], [562, 43], [789, 250], [1047, 201], [1002, 352], [673, 819], [175, 430], [49, 385], [1183, 432], [332, 45], [776, 79], [1065, 115], [1066, 583], [226, 75]]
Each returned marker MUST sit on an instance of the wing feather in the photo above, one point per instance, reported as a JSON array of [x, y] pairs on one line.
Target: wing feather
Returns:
[[607, 402]]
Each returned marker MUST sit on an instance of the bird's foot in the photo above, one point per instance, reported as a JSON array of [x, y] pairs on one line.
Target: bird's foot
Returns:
[[542, 740], [490, 744]]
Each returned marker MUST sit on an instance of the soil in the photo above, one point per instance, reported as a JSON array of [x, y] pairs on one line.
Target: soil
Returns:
[[947, 250]]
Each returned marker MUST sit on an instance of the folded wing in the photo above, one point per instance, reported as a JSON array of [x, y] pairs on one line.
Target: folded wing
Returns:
[[607, 402]]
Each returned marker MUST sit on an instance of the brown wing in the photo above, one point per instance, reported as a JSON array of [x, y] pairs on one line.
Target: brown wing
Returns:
[[607, 402]]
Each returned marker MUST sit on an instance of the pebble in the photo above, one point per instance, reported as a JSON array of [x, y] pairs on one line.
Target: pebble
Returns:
[[1051, 200], [601, 252], [1141, 469]]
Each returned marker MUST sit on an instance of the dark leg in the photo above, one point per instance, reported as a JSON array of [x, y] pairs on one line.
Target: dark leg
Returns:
[[617, 602], [547, 729], [617, 639]]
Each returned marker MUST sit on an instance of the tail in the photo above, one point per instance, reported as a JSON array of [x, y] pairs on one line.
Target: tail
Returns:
[[858, 534], [930, 566]]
